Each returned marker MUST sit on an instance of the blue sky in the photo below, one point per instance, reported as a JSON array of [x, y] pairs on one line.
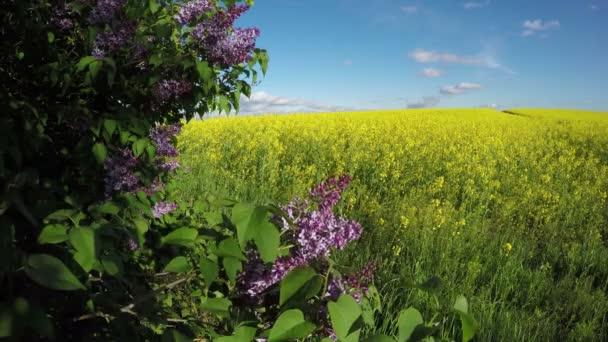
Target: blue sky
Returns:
[[382, 54]]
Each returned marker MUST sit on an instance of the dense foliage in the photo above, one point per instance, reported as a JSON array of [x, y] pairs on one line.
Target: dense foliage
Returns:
[[509, 210]]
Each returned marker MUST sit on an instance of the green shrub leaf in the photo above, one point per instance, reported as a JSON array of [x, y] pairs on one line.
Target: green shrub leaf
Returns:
[[469, 324], [209, 269], [50, 272], [219, 306], [295, 280], [409, 319], [100, 152], [53, 233], [289, 326], [83, 240], [181, 237], [178, 265], [344, 313]]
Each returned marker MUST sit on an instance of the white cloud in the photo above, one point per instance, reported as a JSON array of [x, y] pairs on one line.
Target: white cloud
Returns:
[[430, 72], [459, 89], [409, 9], [594, 7], [489, 105], [532, 27], [475, 4], [425, 102], [427, 56], [348, 62], [262, 102]]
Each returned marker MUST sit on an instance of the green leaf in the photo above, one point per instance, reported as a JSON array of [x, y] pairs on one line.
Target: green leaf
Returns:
[[367, 312], [209, 269], [252, 223], [83, 240], [469, 324], [50, 36], [20, 55], [344, 313], [230, 248], [53, 233], [141, 227], [242, 216], [100, 153], [290, 326], [110, 126], [107, 208], [205, 72], [268, 239], [242, 333], [139, 146], [218, 306], [61, 215], [112, 264], [50, 272], [232, 266], [409, 319], [95, 67], [84, 62], [178, 265], [181, 237], [153, 6], [295, 280]]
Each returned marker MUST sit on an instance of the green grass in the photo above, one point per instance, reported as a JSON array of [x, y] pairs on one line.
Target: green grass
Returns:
[[441, 193]]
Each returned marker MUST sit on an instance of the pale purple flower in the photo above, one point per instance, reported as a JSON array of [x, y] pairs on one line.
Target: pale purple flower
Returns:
[[105, 10], [167, 90], [221, 42], [169, 166], [156, 186], [328, 192], [132, 244], [191, 10], [61, 17], [120, 172], [111, 41], [163, 208], [163, 136]]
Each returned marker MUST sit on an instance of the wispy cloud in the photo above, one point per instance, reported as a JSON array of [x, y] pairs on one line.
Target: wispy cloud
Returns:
[[409, 9], [475, 4], [489, 105], [348, 62], [459, 89], [262, 102], [425, 102], [594, 7], [487, 58], [532, 27], [430, 72], [427, 56]]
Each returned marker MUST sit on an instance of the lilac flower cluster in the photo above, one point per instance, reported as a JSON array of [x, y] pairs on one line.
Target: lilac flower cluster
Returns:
[[191, 10], [111, 41], [105, 10], [119, 172], [162, 136], [169, 166], [316, 233], [222, 43], [132, 244], [162, 208], [156, 186], [356, 285], [167, 90], [61, 17]]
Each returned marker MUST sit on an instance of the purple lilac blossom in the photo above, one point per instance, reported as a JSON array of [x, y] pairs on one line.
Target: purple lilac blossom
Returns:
[[156, 186], [109, 42], [119, 172], [167, 90], [105, 10], [162, 136], [162, 208], [169, 166], [191, 10], [220, 45], [132, 244], [315, 234], [61, 18]]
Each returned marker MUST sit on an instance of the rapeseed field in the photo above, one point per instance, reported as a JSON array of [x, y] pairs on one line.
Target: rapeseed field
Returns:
[[509, 209]]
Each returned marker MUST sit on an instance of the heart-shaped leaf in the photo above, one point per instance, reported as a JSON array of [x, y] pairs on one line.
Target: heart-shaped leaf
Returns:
[[178, 265], [344, 313], [409, 319], [50, 272], [53, 233], [290, 326], [181, 237]]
